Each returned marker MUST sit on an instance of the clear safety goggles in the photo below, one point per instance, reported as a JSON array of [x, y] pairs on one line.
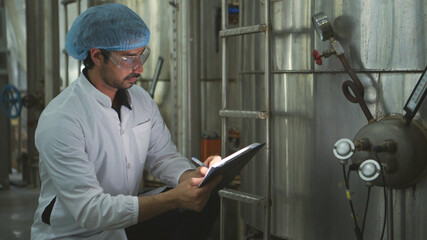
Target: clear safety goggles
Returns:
[[129, 62]]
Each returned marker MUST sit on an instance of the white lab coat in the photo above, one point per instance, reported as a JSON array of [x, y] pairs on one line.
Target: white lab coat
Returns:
[[93, 163]]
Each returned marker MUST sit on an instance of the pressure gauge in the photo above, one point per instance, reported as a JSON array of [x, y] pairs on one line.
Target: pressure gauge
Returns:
[[323, 26], [416, 98]]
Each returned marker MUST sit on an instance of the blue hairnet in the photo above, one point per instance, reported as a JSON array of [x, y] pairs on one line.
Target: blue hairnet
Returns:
[[113, 27]]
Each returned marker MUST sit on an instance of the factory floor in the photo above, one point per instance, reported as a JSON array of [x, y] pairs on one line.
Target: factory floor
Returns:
[[17, 206]]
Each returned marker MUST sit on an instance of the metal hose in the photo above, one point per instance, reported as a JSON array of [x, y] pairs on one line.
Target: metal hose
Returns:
[[357, 88]]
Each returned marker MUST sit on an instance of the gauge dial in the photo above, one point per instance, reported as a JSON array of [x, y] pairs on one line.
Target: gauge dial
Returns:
[[417, 96]]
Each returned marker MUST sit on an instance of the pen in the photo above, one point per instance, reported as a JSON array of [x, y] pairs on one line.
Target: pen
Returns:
[[198, 162]]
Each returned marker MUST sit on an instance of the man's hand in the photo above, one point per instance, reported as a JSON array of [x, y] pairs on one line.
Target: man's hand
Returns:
[[212, 160], [200, 171], [186, 195], [190, 196]]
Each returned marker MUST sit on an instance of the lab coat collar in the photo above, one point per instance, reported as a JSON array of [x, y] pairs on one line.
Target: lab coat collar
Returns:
[[87, 86], [123, 98]]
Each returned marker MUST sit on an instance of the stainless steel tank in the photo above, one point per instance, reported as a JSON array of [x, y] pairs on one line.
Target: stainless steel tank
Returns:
[[384, 42]]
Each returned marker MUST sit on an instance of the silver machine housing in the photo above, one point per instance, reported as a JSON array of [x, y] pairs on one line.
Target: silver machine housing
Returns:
[[385, 45]]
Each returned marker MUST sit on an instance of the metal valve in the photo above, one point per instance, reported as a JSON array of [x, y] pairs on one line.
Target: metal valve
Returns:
[[344, 149], [317, 57], [369, 170]]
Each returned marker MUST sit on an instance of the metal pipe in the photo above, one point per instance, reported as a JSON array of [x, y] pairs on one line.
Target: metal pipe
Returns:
[[242, 197], [66, 2], [350, 72], [243, 114], [52, 51], [190, 80], [241, 42], [183, 114], [79, 63], [268, 120], [224, 106], [203, 91], [357, 98], [19, 144], [390, 214], [35, 67], [156, 76], [224, 78], [369, 71], [195, 145], [67, 77], [223, 214], [240, 77], [174, 69], [188, 69], [243, 31], [357, 88]]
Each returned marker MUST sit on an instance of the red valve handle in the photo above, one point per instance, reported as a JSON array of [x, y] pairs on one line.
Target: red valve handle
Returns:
[[317, 57]]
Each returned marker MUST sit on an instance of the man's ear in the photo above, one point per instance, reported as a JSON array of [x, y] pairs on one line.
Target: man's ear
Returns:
[[96, 56]]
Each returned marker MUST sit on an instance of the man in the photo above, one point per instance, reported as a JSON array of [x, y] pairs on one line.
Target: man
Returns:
[[96, 137]]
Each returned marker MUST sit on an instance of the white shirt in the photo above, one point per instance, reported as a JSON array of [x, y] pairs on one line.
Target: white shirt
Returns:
[[93, 163]]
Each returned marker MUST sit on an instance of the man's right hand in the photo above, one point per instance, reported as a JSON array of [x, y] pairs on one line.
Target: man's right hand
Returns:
[[186, 195], [190, 196]]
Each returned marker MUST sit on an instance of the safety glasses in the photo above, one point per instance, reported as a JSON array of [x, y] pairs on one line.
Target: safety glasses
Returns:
[[128, 62]]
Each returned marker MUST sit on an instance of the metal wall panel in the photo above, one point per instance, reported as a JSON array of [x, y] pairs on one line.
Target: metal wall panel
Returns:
[[383, 42]]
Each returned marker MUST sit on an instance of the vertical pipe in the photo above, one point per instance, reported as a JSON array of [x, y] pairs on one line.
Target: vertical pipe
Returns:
[[203, 78], [224, 106], [241, 51], [403, 214], [188, 95], [267, 79], [5, 123], [390, 215], [222, 218], [174, 71], [241, 47], [52, 52], [67, 77], [183, 77], [79, 63], [190, 90], [19, 144], [195, 79], [224, 78], [35, 67]]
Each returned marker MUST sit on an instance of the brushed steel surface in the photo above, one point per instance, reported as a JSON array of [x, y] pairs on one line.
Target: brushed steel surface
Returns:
[[242, 197], [384, 44], [243, 114], [243, 30]]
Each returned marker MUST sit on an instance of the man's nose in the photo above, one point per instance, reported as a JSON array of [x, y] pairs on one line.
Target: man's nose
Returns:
[[138, 69]]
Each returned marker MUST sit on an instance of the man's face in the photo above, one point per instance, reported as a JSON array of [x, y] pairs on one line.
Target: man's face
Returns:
[[117, 75]]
